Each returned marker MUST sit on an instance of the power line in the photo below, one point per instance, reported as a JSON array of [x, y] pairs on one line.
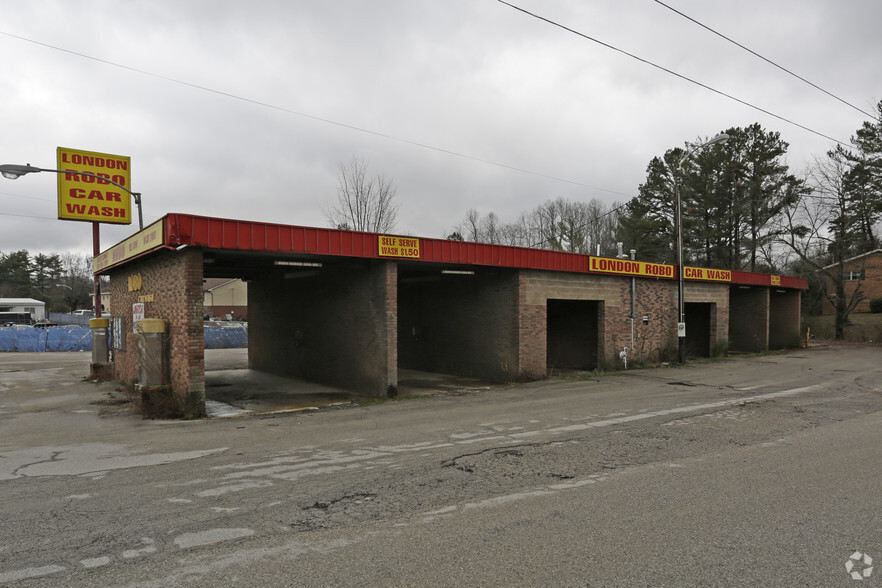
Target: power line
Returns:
[[673, 73], [29, 216], [310, 116], [769, 61], [28, 197]]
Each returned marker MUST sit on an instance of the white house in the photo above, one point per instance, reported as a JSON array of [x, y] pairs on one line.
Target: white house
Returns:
[[225, 298], [35, 307]]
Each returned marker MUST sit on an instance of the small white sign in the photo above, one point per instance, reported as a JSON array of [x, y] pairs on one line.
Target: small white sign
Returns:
[[681, 329], [137, 315]]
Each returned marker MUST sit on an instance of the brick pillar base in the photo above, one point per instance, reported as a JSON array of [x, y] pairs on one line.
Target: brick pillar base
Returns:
[[101, 372]]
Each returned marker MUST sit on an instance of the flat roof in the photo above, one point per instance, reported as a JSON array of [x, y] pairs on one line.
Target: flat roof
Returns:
[[175, 230], [21, 302]]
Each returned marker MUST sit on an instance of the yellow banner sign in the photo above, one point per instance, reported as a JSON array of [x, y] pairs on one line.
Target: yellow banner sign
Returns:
[[399, 247], [707, 274], [631, 268], [141, 242], [775, 280], [89, 196]]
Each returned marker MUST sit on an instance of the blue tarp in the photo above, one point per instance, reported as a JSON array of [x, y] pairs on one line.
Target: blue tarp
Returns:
[[78, 338], [226, 337], [61, 338]]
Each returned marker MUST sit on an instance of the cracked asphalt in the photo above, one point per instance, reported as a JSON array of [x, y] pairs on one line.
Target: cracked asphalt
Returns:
[[750, 471]]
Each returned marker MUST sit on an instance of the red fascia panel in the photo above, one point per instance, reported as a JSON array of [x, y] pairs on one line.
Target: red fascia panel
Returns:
[[790, 282], [218, 233], [755, 279], [750, 278]]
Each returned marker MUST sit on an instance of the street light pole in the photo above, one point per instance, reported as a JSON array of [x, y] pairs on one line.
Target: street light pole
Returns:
[[13, 172], [678, 230]]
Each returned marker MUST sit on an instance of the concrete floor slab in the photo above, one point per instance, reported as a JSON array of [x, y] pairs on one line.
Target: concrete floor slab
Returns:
[[232, 389]]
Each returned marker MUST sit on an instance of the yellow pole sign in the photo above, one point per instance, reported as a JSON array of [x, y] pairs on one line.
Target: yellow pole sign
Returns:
[[86, 190]]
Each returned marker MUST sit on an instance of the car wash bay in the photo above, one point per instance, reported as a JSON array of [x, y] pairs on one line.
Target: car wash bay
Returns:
[[325, 306]]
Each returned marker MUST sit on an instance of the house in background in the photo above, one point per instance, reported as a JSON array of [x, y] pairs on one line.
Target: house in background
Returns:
[[225, 298], [864, 271], [105, 301], [35, 307]]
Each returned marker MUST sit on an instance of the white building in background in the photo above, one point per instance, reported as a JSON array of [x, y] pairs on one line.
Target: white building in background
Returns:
[[35, 307], [225, 298]]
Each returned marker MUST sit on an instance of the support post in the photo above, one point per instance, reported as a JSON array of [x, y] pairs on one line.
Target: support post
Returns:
[[96, 251]]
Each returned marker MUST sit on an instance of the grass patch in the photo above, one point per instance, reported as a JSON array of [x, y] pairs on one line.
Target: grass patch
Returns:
[[862, 327]]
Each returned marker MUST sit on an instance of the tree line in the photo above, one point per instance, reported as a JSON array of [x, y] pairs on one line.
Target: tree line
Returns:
[[742, 208], [62, 280]]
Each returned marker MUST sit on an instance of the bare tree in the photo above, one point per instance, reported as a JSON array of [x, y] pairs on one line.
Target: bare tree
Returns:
[[816, 229], [363, 203], [555, 224], [76, 278]]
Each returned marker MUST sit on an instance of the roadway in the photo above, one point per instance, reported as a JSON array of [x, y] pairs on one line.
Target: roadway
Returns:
[[755, 471]]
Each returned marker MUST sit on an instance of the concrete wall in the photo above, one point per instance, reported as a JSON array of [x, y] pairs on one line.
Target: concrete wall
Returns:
[[336, 325], [653, 341], [460, 324], [171, 288], [748, 318]]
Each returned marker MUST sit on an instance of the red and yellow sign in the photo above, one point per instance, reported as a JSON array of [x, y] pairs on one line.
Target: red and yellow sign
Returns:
[[87, 197], [707, 274], [775, 280], [630, 267], [140, 242], [399, 247]]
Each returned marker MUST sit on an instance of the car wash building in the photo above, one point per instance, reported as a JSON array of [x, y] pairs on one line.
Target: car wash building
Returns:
[[349, 309]]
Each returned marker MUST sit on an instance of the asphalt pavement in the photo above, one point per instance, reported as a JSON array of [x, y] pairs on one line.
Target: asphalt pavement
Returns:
[[755, 471]]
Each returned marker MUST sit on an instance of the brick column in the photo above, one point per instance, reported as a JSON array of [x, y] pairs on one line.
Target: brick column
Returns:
[[169, 284], [532, 333]]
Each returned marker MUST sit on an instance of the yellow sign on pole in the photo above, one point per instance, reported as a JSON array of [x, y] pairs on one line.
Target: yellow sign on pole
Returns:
[[87, 190]]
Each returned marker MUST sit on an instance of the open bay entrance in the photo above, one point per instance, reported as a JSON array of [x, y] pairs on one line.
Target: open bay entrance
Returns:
[[698, 328], [572, 334]]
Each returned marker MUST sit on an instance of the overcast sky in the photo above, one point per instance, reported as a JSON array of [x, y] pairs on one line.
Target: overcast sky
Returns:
[[247, 109]]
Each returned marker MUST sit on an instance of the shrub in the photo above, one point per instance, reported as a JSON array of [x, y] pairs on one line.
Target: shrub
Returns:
[[876, 305]]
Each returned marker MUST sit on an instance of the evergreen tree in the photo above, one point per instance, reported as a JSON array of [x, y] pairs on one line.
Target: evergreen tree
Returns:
[[647, 224], [15, 274], [730, 194], [863, 183], [46, 273]]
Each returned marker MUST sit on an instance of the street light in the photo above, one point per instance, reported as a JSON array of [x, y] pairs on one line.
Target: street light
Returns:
[[13, 172], [678, 229]]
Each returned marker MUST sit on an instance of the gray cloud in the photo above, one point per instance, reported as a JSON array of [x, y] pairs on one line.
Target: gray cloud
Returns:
[[477, 78]]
